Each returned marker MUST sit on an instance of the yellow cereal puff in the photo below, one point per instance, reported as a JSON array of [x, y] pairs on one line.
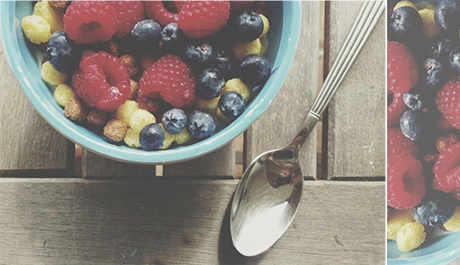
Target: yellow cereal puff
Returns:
[[131, 139], [453, 224], [397, 220], [51, 76], [140, 119], [266, 25], [243, 49], [219, 115], [405, 3], [235, 84], [426, 5], [36, 29], [169, 139], [63, 93], [263, 45], [183, 137], [125, 111], [410, 236], [430, 28], [209, 105], [51, 15]]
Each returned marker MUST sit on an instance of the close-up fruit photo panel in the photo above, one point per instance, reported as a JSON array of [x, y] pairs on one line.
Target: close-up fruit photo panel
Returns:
[[423, 123]]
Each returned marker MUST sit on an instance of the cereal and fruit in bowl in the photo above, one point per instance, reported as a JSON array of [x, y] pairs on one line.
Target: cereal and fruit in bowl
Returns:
[[423, 116], [151, 74]]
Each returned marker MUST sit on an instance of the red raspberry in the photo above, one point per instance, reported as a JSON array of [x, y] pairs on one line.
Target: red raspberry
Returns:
[[402, 71], [157, 10], [102, 81], [448, 101], [172, 78], [241, 5], [395, 109], [90, 21], [199, 19], [128, 14], [405, 182], [398, 144], [447, 169]]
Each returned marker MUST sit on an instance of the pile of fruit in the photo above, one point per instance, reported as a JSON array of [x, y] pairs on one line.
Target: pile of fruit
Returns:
[[423, 116], [154, 73]]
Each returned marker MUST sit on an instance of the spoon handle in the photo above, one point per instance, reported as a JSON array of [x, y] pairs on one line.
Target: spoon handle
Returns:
[[368, 16]]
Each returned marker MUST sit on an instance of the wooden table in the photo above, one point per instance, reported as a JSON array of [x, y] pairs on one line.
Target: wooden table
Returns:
[[116, 213]]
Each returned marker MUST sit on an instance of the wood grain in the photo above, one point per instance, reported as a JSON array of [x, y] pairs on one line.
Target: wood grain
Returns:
[[28, 143], [356, 119], [172, 221], [280, 123]]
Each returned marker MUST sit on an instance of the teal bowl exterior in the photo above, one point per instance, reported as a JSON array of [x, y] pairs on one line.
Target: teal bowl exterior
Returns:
[[441, 249], [24, 60]]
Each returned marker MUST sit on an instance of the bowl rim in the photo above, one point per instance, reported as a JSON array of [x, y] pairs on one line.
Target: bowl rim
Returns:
[[290, 34]]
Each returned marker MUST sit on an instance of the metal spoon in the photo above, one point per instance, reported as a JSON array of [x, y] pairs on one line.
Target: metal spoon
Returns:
[[268, 195]]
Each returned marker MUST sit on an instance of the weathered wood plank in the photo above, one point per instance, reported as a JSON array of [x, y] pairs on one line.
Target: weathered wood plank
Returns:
[[172, 221], [275, 128], [356, 119], [95, 166], [29, 146]]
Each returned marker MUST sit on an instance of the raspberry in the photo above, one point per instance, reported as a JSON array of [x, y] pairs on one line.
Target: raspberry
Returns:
[[447, 169], [199, 19], [128, 14], [406, 183], [395, 109], [90, 21], [448, 102], [402, 71], [172, 78], [398, 144], [102, 81], [157, 10]]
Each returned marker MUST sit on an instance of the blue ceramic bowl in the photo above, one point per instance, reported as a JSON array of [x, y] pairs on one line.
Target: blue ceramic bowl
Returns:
[[24, 60], [439, 249]]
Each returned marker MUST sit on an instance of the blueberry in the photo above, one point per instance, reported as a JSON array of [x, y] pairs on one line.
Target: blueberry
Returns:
[[247, 26], [442, 47], [198, 53], [152, 137], [454, 59], [405, 23], [254, 70], [435, 209], [232, 104], [174, 121], [62, 53], [414, 101], [414, 124], [433, 71], [147, 33], [223, 62], [447, 15], [209, 83], [419, 97], [171, 35], [201, 124]]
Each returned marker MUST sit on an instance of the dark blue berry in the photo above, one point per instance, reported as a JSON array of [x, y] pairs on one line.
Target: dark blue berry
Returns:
[[454, 59], [232, 104], [435, 209], [147, 33], [433, 71], [247, 26], [198, 53], [447, 15], [414, 101], [171, 35], [254, 70], [152, 137], [174, 121], [209, 84], [62, 53], [223, 62], [405, 23], [201, 124], [414, 124], [442, 47]]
